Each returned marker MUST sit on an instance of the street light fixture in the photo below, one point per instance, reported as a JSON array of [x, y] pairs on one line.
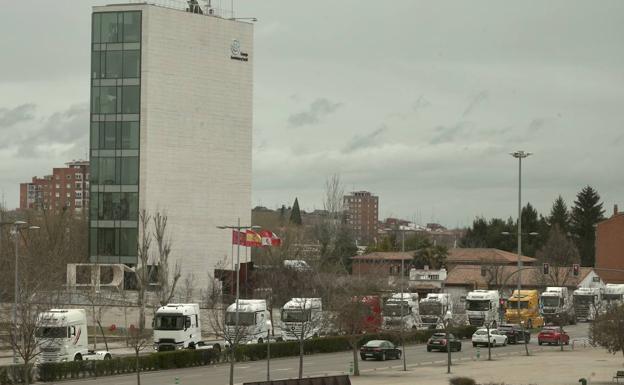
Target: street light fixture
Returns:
[[252, 19]]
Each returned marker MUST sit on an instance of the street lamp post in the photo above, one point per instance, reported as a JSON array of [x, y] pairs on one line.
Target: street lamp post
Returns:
[[520, 155], [402, 291], [447, 320], [268, 323], [17, 227], [238, 229]]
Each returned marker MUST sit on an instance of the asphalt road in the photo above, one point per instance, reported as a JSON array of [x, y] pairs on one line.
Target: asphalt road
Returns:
[[321, 364]]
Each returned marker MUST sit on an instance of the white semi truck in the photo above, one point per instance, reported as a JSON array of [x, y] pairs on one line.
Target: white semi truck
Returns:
[[62, 336], [482, 307], [302, 318], [178, 326], [252, 321], [556, 306], [433, 308], [392, 315], [587, 303], [613, 294]]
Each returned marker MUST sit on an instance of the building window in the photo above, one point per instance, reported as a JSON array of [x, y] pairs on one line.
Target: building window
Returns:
[[78, 185], [78, 194], [132, 64], [58, 186], [130, 135], [131, 27], [68, 186], [131, 99], [57, 195], [78, 176], [130, 170]]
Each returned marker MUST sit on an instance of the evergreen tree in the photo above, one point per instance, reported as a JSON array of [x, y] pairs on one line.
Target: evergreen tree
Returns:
[[532, 223], [586, 213], [559, 215], [295, 214]]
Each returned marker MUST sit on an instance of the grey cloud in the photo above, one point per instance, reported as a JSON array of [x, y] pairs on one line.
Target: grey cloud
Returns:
[[478, 99], [70, 126], [369, 140], [319, 109], [10, 117], [445, 134], [420, 104], [537, 124]]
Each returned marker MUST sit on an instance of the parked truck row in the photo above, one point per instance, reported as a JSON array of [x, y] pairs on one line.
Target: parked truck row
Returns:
[[63, 332]]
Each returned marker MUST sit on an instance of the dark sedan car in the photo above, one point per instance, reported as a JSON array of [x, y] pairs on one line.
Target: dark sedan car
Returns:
[[438, 341], [514, 333], [380, 350]]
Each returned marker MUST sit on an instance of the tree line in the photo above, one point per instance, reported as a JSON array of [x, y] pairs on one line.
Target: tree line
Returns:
[[570, 229]]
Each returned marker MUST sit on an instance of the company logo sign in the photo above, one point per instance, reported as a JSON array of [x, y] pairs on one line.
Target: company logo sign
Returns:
[[236, 53]]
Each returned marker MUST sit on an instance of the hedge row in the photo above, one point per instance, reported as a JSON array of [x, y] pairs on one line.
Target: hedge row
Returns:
[[256, 352], [13, 374], [154, 361], [187, 358]]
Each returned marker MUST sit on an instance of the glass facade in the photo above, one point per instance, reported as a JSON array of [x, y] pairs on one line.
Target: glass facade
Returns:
[[115, 118]]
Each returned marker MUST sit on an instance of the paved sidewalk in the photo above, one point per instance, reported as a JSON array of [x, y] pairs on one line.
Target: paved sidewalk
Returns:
[[546, 367]]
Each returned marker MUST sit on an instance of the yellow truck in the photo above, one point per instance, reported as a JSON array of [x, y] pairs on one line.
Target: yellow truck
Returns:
[[529, 310]]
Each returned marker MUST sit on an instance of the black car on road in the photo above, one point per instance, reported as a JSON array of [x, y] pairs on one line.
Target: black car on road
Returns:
[[438, 341], [380, 350], [514, 333]]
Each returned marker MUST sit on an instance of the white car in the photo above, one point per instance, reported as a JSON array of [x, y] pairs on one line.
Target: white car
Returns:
[[480, 337]]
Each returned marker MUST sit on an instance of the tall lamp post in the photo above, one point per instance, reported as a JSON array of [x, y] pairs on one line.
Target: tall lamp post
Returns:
[[447, 320], [520, 155], [238, 229], [268, 324], [402, 291], [17, 228]]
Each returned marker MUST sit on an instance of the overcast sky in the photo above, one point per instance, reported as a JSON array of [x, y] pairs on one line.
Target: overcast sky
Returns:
[[419, 102]]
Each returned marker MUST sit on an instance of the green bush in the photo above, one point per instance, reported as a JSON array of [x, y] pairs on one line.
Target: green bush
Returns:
[[155, 361], [462, 381], [253, 352], [14, 374]]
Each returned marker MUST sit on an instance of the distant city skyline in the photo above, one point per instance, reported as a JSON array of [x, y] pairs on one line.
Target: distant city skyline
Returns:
[[419, 103]]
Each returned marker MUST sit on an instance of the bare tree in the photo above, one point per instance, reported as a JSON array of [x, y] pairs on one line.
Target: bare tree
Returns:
[[353, 315], [607, 330], [137, 336], [226, 328], [560, 253], [37, 292], [166, 280], [186, 292]]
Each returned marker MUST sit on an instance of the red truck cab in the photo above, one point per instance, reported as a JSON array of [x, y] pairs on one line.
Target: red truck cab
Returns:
[[553, 335]]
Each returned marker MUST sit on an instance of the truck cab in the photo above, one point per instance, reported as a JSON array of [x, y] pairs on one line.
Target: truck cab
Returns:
[[587, 302], [556, 306], [177, 326], [482, 307], [613, 294], [433, 308], [62, 336], [401, 308], [523, 307], [302, 318], [252, 318]]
